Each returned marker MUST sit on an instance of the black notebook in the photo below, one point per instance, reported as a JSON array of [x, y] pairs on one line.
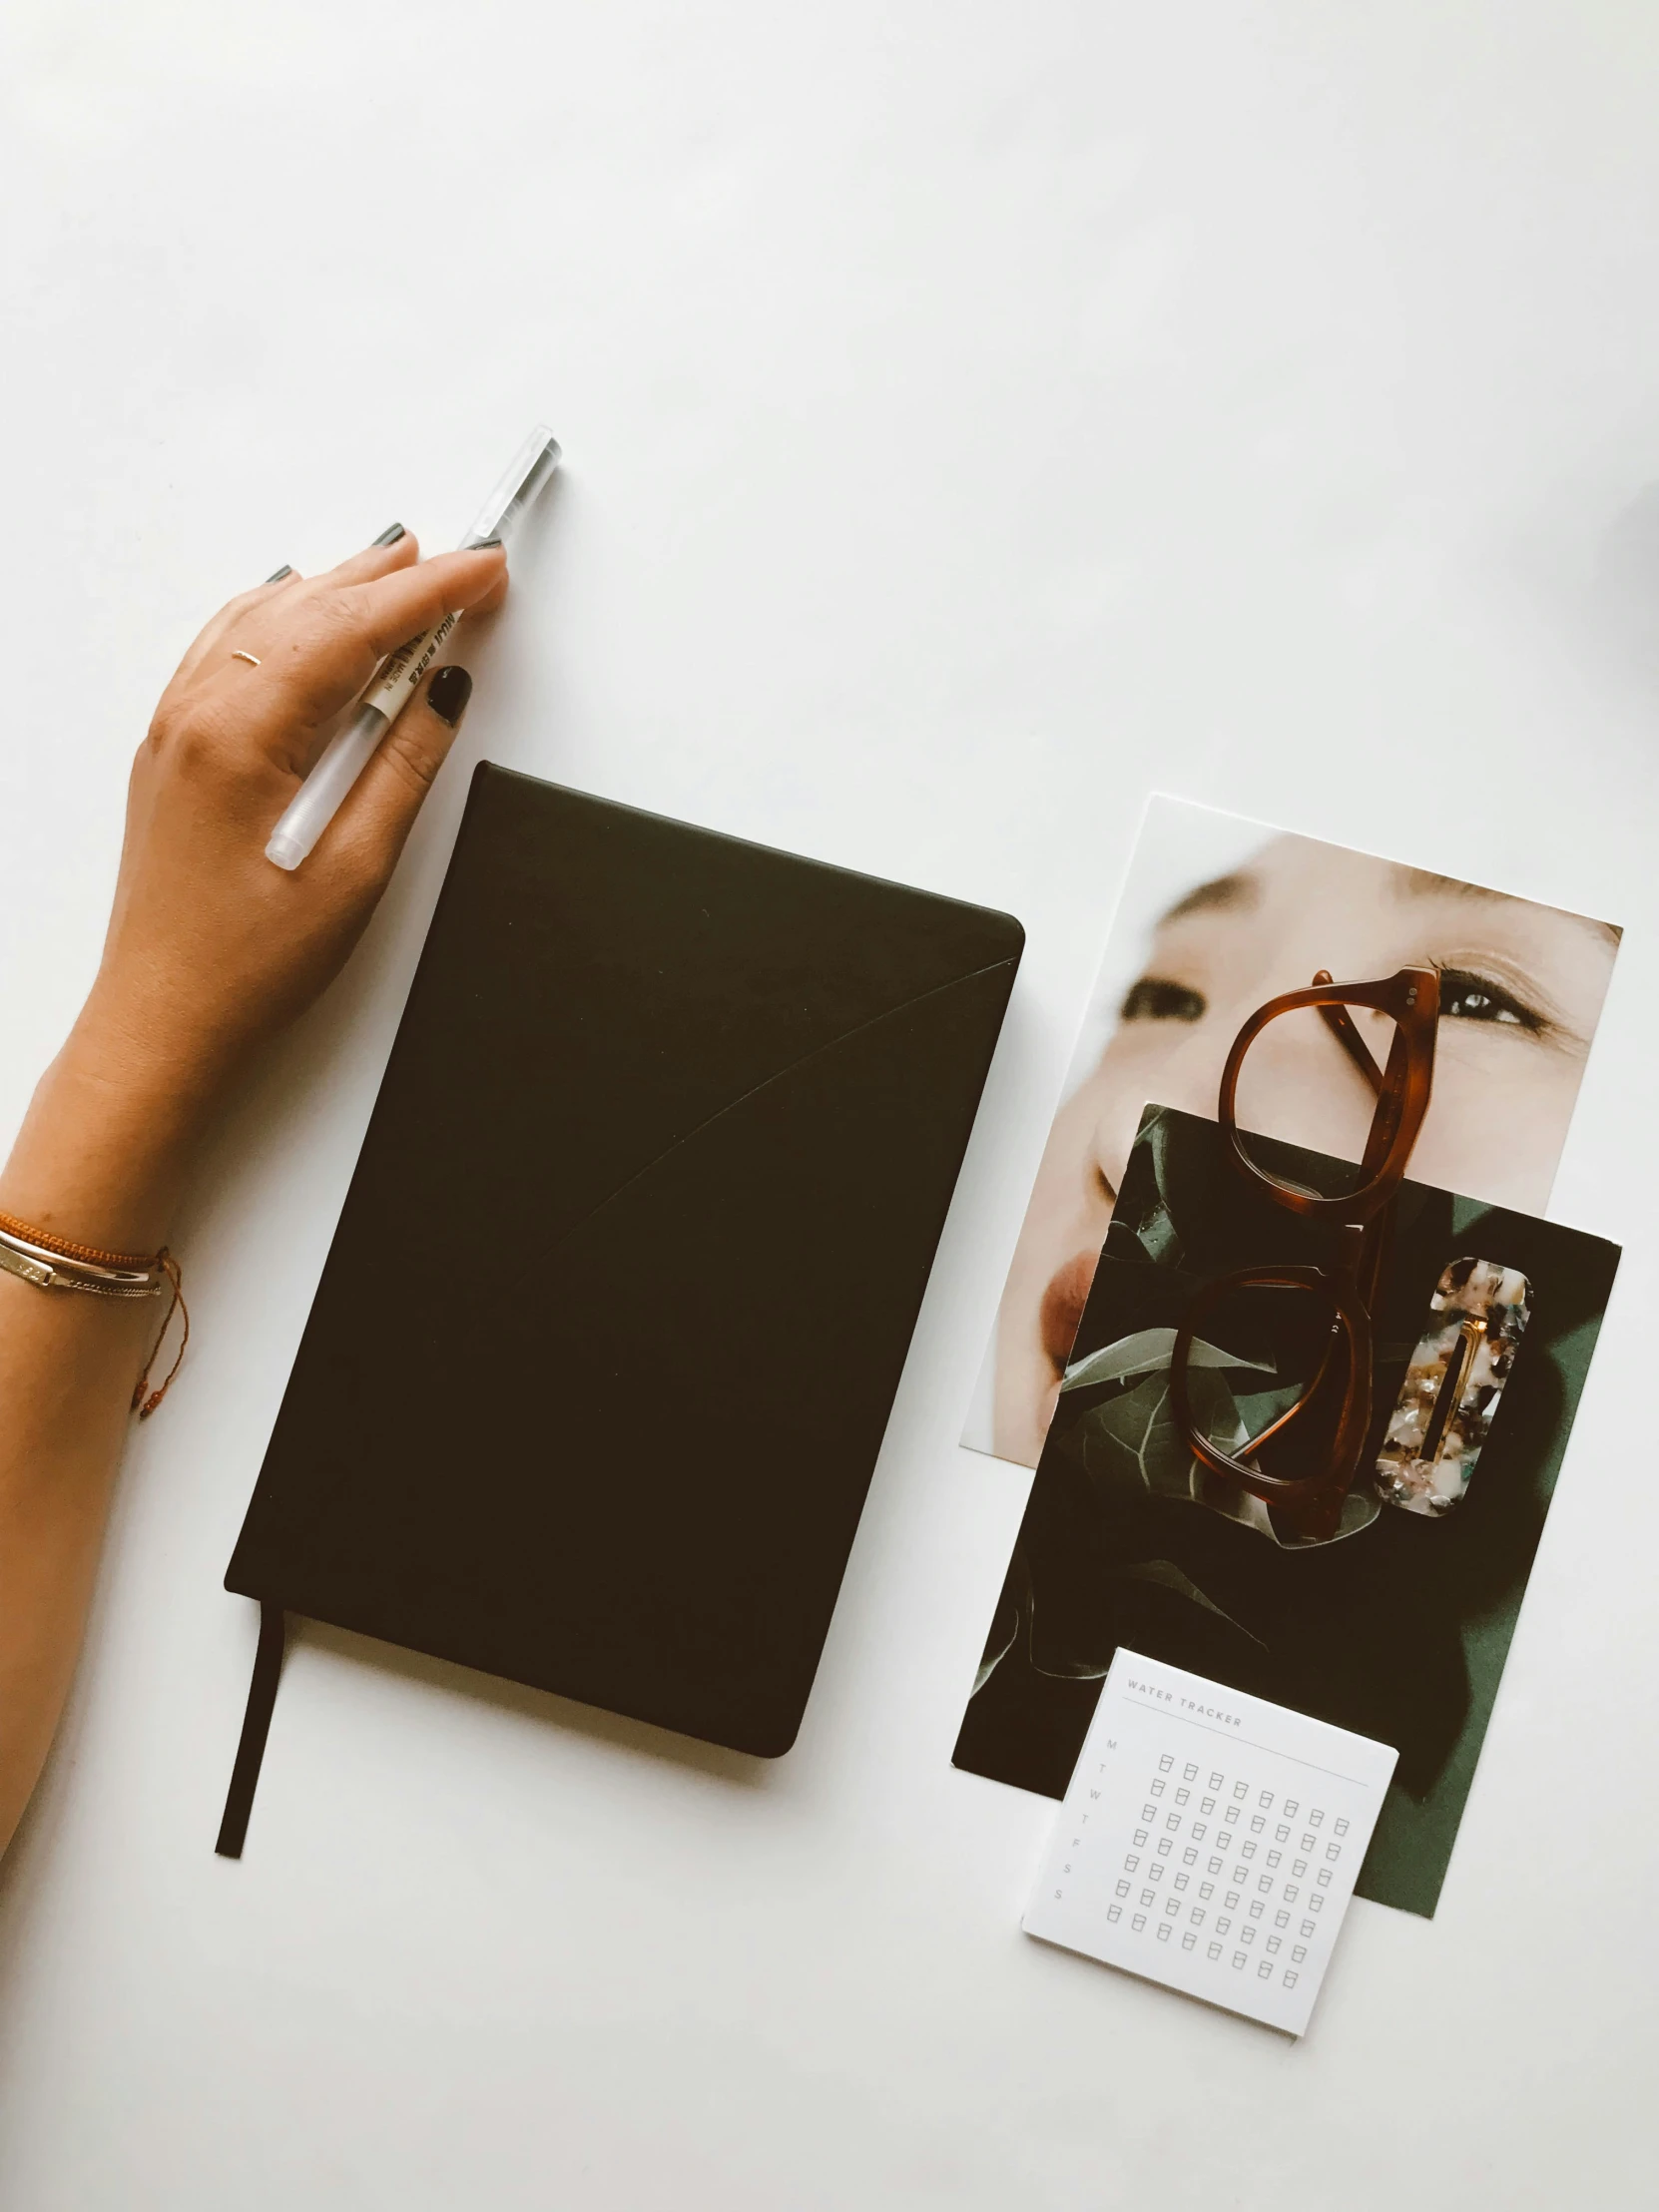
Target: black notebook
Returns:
[[599, 1366]]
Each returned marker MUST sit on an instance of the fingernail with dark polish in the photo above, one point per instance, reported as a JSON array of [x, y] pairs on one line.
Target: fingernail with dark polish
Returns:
[[390, 536], [448, 693], [484, 545], [286, 569]]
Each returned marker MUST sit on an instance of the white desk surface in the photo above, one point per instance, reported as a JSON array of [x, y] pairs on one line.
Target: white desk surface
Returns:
[[976, 417]]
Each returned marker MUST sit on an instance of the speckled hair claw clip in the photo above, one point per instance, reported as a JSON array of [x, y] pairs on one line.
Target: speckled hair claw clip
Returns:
[[1453, 1386]]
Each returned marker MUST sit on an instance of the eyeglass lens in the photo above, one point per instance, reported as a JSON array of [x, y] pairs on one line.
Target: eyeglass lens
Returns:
[[1299, 1086], [1285, 1335]]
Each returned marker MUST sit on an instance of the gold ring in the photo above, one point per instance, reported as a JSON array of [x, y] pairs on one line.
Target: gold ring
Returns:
[[239, 655]]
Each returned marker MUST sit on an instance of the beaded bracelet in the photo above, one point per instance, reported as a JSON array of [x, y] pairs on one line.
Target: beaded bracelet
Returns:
[[52, 1263]]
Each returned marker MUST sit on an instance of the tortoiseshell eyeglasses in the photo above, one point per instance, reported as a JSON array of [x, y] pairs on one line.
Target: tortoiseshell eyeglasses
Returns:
[[1304, 1462]]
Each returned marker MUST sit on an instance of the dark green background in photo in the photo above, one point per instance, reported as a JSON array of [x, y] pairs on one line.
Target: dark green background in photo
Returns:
[[1400, 1628]]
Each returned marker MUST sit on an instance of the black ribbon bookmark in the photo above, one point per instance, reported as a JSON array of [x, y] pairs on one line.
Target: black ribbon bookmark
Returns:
[[256, 1725]]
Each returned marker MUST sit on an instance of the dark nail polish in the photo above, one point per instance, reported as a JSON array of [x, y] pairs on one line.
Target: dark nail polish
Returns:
[[484, 545], [448, 693], [390, 536], [286, 569]]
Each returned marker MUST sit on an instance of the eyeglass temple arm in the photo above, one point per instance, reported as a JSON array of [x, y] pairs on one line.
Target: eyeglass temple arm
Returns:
[[1340, 1023]]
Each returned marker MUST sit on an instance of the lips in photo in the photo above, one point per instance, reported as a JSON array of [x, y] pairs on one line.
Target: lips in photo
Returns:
[[1062, 1308]]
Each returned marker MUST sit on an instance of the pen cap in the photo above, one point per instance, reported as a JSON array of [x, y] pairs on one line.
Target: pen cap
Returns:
[[532, 466]]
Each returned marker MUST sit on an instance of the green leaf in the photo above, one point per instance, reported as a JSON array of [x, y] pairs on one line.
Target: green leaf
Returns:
[[1169, 1577], [1133, 1436], [1147, 1352]]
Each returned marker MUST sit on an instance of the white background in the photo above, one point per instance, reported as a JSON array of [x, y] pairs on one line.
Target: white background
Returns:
[[976, 416]]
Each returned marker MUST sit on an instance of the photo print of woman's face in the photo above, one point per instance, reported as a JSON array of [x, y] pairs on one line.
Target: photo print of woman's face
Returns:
[[1521, 990]]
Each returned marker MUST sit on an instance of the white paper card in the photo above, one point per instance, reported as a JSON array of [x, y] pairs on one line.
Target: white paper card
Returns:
[[1210, 1841]]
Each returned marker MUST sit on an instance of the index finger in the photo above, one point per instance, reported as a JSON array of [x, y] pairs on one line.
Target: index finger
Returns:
[[321, 648]]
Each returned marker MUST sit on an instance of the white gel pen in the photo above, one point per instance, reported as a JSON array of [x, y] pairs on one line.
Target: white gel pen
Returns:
[[348, 752]]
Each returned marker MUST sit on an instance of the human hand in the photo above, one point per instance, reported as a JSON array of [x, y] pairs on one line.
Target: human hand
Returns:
[[210, 947]]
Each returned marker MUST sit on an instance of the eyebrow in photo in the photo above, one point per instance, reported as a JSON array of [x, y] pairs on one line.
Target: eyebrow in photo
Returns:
[[1423, 884], [1232, 893], [1241, 890]]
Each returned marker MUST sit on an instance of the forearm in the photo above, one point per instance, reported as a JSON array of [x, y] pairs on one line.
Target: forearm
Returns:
[[100, 1160]]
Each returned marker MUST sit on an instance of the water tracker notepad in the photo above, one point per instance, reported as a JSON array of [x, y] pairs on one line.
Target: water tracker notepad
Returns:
[[1210, 1841]]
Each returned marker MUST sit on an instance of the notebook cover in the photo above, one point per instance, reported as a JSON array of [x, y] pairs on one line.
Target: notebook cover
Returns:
[[598, 1369]]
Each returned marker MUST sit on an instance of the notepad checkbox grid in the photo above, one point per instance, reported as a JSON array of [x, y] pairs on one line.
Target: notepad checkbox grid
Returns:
[[1269, 1930]]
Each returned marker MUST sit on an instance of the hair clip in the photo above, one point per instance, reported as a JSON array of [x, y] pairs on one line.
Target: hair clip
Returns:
[[1452, 1386]]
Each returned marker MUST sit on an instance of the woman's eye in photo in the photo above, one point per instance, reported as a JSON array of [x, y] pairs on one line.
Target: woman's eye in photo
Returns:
[[1154, 999], [1474, 998]]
